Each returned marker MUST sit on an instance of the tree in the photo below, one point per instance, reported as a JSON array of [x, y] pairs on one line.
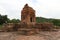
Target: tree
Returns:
[[56, 22], [14, 21], [3, 19]]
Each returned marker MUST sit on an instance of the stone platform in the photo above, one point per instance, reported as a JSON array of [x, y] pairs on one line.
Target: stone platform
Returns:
[[43, 35]]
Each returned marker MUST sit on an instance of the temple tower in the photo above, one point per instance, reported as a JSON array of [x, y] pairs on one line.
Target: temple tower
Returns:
[[28, 15]]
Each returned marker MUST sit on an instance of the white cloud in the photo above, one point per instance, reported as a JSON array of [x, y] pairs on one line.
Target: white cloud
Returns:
[[13, 7], [44, 8], [2, 11]]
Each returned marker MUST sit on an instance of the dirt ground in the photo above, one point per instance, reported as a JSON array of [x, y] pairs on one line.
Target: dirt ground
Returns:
[[43, 35]]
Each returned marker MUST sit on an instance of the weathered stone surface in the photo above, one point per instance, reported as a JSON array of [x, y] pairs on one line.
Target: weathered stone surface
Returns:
[[28, 15], [43, 35], [44, 26]]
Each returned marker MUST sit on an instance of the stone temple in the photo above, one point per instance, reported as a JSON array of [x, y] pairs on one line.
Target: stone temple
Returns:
[[28, 15], [28, 23]]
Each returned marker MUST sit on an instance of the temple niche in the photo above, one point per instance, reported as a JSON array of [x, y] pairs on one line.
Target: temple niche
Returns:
[[28, 15]]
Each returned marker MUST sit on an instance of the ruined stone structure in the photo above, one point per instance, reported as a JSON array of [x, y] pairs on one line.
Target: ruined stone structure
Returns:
[[28, 23], [28, 15]]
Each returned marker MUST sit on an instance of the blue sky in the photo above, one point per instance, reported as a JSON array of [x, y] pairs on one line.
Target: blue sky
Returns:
[[43, 8]]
